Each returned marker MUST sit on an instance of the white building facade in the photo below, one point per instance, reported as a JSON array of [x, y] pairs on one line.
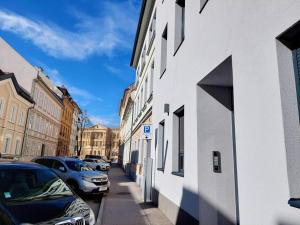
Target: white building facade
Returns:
[[225, 111], [143, 61], [12, 61]]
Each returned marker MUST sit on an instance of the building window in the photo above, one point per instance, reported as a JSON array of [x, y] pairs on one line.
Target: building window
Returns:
[[18, 145], [296, 58], [142, 98], [179, 23], [178, 156], [161, 145], [7, 144], [13, 114], [151, 77], [164, 48], [146, 90], [143, 60], [202, 4], [152, 31], [2, 104], [22, 119]]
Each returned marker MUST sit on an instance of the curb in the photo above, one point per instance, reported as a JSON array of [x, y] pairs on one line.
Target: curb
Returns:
[[100, 213]]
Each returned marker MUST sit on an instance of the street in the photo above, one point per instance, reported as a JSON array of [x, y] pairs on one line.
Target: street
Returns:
[[94, 202]]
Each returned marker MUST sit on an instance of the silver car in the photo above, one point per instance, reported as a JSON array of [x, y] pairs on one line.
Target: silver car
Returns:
[[77, 174], [98, 164]]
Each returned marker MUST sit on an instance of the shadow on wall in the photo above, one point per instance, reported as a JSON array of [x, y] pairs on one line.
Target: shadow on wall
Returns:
[[215, 215], [189, 204], [131, 167], [287, 223]]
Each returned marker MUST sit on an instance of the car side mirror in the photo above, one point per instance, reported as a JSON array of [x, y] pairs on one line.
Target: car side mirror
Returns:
[[62, 169]]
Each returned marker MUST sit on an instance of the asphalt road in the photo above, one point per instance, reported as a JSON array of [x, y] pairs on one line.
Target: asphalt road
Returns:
[[94, 202]]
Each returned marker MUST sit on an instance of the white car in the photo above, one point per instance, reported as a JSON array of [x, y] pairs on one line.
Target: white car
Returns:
[[97, 164]]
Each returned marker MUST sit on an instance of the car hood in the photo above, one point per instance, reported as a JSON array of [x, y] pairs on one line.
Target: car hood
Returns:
[[48, 211], [92, 173]]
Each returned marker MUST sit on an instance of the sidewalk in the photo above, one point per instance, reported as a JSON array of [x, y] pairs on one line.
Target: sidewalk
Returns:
[[124, 206]]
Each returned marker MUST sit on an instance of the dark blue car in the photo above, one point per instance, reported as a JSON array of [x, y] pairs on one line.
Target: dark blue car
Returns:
[[33, 194]]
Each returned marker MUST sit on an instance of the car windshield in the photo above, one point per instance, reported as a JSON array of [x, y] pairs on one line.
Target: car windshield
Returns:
[[33, 184], [78, 166]]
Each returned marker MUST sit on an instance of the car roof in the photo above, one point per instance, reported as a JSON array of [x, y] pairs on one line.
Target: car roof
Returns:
[[60, 158], [19, 165]]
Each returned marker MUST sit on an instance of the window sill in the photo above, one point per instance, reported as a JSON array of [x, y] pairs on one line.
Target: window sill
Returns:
[[180, 174], [162, 73], [161, 169], [178, 47], [294, 202]]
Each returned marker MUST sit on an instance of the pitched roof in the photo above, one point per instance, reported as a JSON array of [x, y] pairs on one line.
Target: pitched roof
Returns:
[[20, 90]]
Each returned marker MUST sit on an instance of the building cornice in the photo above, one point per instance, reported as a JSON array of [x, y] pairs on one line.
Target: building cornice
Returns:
[[144, 19]]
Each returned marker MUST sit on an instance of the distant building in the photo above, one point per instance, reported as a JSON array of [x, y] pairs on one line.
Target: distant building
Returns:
[[64, 142], [114, 144], [74, 130], [14, 105], [43, 125], [126, 114], [100, 140]]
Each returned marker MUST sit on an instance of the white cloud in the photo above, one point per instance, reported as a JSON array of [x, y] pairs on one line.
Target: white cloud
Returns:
[[113, 70], [83, 96], [102, 34], [106, 121]]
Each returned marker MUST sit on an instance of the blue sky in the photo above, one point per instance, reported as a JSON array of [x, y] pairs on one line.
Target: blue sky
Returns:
[[84, 44]]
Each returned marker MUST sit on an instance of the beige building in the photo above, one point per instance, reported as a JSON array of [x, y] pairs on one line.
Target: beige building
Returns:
[[100, 140], [44, 120], [64, 140], [126, 114], [14, 105], [74, 130]]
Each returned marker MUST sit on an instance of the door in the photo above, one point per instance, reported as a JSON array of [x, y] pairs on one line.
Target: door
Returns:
[[218, 202]]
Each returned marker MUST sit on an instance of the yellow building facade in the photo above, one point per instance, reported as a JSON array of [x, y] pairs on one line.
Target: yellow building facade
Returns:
[[100, 140], [14, 105]]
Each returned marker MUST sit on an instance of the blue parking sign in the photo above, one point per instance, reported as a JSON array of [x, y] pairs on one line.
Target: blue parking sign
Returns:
[[147, 129]]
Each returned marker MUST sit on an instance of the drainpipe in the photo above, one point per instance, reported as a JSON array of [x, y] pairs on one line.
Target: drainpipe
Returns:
[[25, 130]]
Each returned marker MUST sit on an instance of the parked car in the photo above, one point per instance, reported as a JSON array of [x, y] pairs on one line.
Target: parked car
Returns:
[[98, 157], [77, 174], [98, 164], [33, 194]]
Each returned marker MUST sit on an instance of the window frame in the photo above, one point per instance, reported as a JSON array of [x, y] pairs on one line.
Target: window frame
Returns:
[[161, 145], [179, 4], [164, 51], [179, 142], [203, 3]]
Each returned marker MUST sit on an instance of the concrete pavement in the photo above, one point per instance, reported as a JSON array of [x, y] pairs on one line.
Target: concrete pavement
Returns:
[[124, 206]]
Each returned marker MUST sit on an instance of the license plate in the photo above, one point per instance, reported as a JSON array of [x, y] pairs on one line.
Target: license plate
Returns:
[[102, 188]]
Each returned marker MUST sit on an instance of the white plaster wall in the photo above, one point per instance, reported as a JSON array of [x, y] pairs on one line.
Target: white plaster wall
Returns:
[[246, 30], [12, 62]]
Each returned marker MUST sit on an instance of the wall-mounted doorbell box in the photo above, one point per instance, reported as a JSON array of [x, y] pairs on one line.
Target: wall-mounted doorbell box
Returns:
[[217, 162]]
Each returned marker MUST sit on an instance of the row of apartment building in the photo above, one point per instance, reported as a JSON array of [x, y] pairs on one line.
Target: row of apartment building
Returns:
[[219, 83], [37, 118]]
